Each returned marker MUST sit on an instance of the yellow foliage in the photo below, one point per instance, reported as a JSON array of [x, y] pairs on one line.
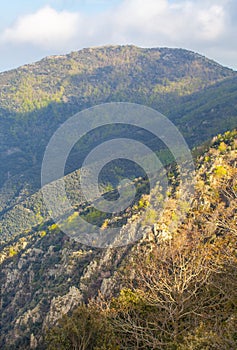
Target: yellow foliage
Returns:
[[42, 233], [12, 251], [54, 228], [143, 202], [220, 171], [105, 224], [72, 217], [222, 147]]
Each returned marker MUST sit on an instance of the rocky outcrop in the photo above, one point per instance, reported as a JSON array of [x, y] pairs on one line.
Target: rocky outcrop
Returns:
[[61, 305]]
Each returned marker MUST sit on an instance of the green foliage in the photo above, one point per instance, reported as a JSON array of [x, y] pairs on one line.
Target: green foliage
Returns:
[[151, 216], [179, 294], [35, 100], [87, 328]]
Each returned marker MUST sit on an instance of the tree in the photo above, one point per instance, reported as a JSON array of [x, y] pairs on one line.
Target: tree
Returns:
[[87, 328], [181, 286]]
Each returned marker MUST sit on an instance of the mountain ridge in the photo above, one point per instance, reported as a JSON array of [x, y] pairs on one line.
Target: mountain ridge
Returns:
[[35, 100], [45, 273], [157, 77]]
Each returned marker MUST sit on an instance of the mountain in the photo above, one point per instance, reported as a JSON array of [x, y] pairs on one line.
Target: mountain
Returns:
[[197, 94], [173, 291], [44, 273], [35, 99]]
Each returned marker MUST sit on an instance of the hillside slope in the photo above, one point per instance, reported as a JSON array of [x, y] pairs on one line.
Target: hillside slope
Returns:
[[35, 99], [45, 274]]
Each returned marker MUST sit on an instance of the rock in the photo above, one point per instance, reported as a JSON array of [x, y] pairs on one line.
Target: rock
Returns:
[[62, 305]]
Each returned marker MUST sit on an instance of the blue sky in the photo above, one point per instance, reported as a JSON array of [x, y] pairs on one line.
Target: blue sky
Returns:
[[31, 30], [12, 9]]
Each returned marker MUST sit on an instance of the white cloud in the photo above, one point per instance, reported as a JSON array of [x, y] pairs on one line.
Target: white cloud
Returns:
[[46, 28], [207, 26], [184, 20], [212, 22]]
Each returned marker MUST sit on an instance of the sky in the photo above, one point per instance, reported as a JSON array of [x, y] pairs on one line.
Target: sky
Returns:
[[31, 30]]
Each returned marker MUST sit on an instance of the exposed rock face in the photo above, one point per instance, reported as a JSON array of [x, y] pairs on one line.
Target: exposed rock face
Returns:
[[62, 305], [48, 278], [33, 341]]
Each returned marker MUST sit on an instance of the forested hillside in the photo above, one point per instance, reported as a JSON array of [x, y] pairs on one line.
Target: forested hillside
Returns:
[[35, 99], [178, 292], [171, 290]]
